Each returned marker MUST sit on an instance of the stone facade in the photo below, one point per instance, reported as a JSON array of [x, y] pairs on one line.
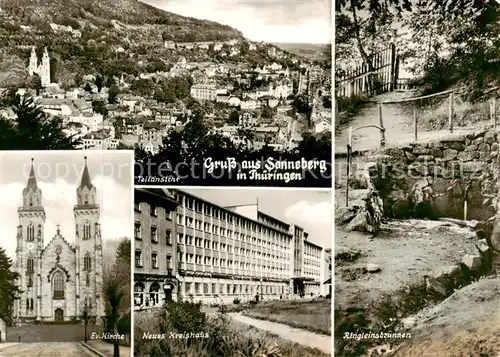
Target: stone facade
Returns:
[[436, 178], [454, 177], [58, 280]]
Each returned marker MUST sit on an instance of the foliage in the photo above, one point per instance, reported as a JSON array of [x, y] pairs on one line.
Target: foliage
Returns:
[[8, 288], [116, 290], [33, 129], [226, 338]]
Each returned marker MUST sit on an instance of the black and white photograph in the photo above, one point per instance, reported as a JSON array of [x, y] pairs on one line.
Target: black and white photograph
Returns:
[[417, 222], [230, 272], [66, 220], [206, 93]]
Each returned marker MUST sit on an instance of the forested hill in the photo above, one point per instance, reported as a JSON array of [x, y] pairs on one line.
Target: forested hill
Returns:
[[39, 13], [107, 37]]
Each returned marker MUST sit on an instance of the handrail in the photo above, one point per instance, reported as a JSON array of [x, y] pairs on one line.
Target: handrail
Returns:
[[414, 98]]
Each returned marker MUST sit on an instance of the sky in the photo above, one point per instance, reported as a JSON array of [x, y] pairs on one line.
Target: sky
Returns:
[[291, 21], [58, 175], [308, 209]]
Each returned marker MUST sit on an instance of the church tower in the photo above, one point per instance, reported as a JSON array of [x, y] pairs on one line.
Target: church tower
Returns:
[[45, 69], [33, 66], [89, 257], [29, 248]]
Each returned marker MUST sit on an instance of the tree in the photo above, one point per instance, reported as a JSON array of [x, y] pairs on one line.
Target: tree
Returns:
[[8, 289], [99, 107], [267, 112], [99, 82], [34, 129], [113, 93], [85, 318], [35, 82], [117, 292], [234, 117]]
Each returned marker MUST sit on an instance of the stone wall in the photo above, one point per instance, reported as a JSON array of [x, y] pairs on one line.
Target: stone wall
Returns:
[[435, 179]]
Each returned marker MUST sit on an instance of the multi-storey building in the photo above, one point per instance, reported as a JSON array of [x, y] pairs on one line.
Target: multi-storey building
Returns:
[[221, 253], [204, 92], [155, 247]]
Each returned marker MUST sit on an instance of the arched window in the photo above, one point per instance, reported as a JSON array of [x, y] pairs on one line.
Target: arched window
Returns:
[[76, 230], [58, 285], [86, 231], [31, 265], [138, 294], [87, 262], [154, 294], [86, 199], [30, 232], [31, 201]]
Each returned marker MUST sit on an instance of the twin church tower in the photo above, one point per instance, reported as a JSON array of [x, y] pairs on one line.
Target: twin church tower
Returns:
[[43, 70], [59, 281]]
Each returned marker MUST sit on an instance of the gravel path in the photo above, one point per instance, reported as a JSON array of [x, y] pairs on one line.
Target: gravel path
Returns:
[[399, 126], [303, 337]]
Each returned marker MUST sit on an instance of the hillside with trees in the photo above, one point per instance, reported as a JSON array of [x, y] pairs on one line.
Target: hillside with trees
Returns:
[[88, 37]]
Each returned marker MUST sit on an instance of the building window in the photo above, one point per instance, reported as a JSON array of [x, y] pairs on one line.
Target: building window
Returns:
[[86, 231], [154, 294], [169, 262], [197, 288], [87, 262], [138, 294], [137, 231], [138, 259], [153, 211], [168, 236], [214, 288], [154, 260], [30, 280], [154, 235], [58, 285], [187, 288], [31, 265], [31, 233]]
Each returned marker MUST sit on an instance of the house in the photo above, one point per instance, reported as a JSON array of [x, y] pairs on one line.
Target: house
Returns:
[[247, 119], [268, 101], [234, 101], [222, 98], [204, 91], [218, 46], [271, 51], [248, 103], [322, 124], [169, 45], [252, 47]]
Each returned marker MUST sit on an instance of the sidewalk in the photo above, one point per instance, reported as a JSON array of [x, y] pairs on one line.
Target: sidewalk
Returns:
[[7, 345], [303, 337], [107, 348]]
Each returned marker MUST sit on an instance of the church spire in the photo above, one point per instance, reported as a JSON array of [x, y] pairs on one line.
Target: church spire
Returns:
[[32, 178], [86, 181]]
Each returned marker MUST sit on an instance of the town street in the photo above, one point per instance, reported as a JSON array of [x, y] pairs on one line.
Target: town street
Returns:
[[45, 349]]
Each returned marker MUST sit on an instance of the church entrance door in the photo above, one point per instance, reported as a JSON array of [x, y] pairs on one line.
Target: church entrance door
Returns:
[[168, 294], [59, 315]]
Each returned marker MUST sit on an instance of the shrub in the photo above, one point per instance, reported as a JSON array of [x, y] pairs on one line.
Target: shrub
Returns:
[[236, 301], [184, 317]]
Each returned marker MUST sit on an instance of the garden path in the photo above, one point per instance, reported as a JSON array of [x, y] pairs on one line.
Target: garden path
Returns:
[[303, 337]]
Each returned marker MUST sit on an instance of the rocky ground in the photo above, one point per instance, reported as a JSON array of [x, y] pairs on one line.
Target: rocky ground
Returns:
[[466, 324], [413, 276]]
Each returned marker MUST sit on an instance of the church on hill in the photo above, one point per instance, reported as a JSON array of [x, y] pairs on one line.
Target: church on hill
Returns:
[[43, 70], [59, 280]]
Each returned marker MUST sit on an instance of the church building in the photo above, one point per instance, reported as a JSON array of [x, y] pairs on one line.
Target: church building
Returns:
[[59, 280], [43, 70]]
